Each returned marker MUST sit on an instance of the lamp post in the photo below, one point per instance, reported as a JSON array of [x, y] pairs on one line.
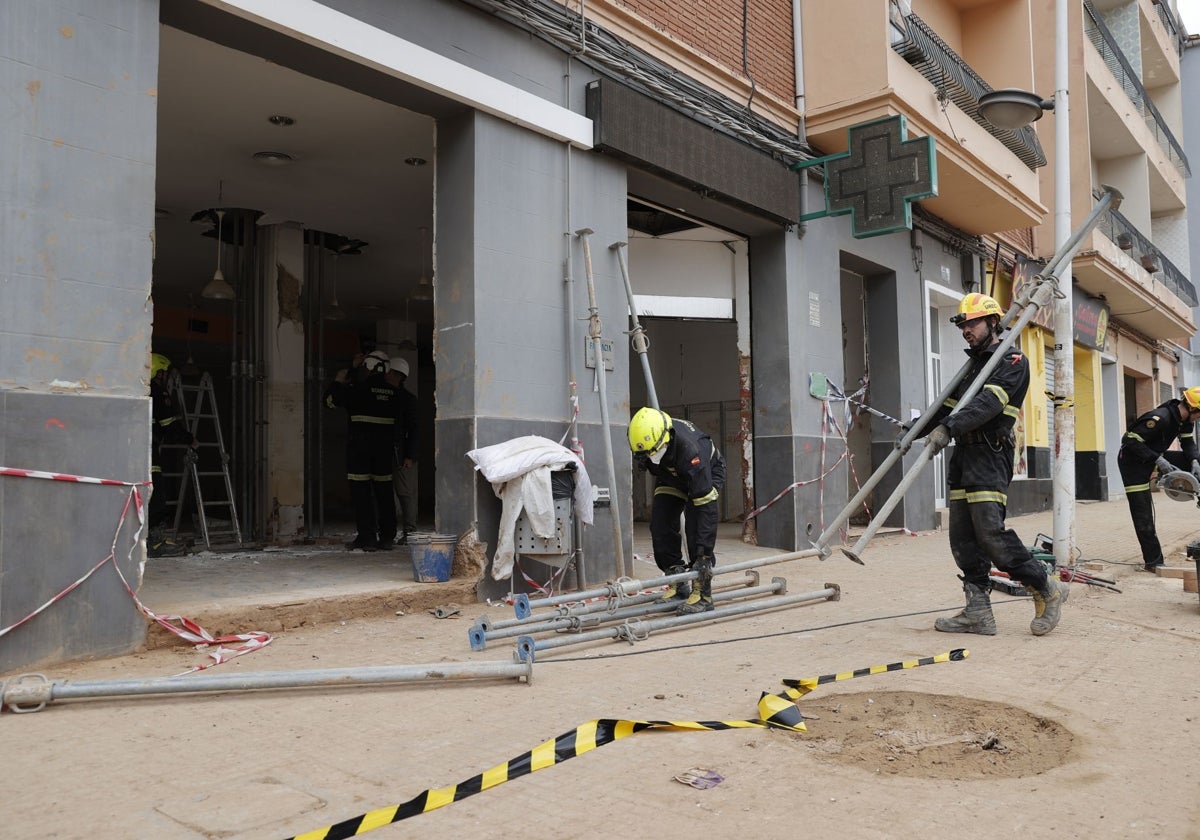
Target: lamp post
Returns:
[[1014, 109]]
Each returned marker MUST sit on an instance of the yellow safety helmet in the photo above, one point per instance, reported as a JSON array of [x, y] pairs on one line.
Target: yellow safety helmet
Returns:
[[158, 362], [648, 430], [975, 306], [1191, 396]]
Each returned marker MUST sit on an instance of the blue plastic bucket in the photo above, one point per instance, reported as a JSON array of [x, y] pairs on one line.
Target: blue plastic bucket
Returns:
[[432, 557]]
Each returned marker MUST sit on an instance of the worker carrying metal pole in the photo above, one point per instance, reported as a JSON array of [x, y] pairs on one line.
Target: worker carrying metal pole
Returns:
[[981, 468], [1034, 299]]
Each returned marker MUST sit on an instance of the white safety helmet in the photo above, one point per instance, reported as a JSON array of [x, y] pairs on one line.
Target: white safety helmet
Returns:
[[377, 362], [400, 366]]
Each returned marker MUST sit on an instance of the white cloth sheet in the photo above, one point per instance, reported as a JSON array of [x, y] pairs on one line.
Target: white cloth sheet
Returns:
[[519, 471]]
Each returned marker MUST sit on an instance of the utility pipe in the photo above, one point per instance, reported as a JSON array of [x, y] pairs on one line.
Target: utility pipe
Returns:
[[1044, 286], [573, 396], [527, 646], [637, 335], [31, 692], [576, 623], [598, 352]]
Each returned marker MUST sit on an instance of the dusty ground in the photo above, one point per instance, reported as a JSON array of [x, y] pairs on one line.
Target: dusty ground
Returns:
[[1090, 732]]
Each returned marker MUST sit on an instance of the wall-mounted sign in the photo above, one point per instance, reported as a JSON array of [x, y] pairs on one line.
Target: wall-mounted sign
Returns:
[[1091, 322], [878, 178], [1091, 314]]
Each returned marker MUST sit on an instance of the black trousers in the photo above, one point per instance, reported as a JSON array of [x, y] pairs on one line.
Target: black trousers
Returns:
[[1135, 475], [979, 475], [699, 522], [369, 469]]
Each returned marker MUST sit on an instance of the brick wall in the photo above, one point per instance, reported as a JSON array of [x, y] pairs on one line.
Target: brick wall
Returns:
[[714, 28]]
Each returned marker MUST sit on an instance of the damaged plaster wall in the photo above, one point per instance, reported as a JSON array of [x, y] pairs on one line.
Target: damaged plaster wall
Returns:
[[284, 246]]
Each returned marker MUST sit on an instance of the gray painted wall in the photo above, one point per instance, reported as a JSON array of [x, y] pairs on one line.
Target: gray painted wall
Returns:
[[503, 320], [77, 148], [797, 321]]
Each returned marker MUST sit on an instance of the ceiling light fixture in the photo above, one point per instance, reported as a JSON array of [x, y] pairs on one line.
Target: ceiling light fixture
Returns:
[[415, 161], [218, 288], [281, 120], [273, 158]]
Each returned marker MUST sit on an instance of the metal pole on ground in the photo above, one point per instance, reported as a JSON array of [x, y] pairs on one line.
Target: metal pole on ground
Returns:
[[31, 692], [578, 623], [523, 607], [632, 631], [606, 430]]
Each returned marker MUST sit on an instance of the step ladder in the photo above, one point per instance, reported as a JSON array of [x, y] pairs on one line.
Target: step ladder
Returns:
[[203, 421]]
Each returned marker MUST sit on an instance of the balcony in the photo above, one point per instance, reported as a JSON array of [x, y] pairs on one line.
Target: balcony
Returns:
[[1127, 79], [1143, 288], [986, 177]]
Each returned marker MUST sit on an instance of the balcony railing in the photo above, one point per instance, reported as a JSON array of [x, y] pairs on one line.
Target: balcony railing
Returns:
[[1168, 20], [1128, 238], [955, 80], [1104, 42]]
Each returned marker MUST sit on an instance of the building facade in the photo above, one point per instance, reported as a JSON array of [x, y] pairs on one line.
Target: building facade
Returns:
[[465, 184]]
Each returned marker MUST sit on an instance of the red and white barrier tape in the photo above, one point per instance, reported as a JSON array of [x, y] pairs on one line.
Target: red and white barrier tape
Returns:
[[187, 630]]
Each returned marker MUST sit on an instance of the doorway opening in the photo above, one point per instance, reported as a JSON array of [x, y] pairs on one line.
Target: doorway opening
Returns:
[[325, 241]]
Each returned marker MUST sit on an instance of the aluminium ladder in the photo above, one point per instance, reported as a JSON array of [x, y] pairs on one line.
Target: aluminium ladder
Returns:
[[204, 422]]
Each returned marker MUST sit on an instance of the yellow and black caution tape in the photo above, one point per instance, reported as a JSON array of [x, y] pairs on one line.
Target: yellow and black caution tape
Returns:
[[798, 688], [776, 711]]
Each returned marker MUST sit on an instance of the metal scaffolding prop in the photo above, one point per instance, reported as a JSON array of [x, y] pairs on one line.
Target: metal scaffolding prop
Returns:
[[1039, 293], [32, 692], [637, 336], [595, 336], [638, 629], [594, 615], [620, 591]]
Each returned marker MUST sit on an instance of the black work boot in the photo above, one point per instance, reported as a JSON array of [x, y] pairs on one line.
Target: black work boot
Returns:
[[1047, 605], [677, 591], [701, 598], [976, 616]]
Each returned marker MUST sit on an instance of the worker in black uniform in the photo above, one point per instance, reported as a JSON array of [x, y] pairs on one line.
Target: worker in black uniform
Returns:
[[690, 474], [167, 427], [371, 404], [1144, 449], [981, 468]]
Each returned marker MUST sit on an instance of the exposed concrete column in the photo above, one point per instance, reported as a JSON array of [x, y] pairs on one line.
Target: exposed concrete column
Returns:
[[282, 246]]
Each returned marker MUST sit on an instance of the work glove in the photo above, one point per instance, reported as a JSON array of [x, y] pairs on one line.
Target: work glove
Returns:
[[901, 445], [938, 439], [1163, 466]]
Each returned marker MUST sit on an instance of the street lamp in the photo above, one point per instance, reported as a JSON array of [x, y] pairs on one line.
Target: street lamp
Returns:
[[1014, 109]]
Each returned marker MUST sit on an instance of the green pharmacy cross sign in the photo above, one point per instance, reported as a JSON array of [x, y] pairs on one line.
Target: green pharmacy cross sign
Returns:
[[878, 178]]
